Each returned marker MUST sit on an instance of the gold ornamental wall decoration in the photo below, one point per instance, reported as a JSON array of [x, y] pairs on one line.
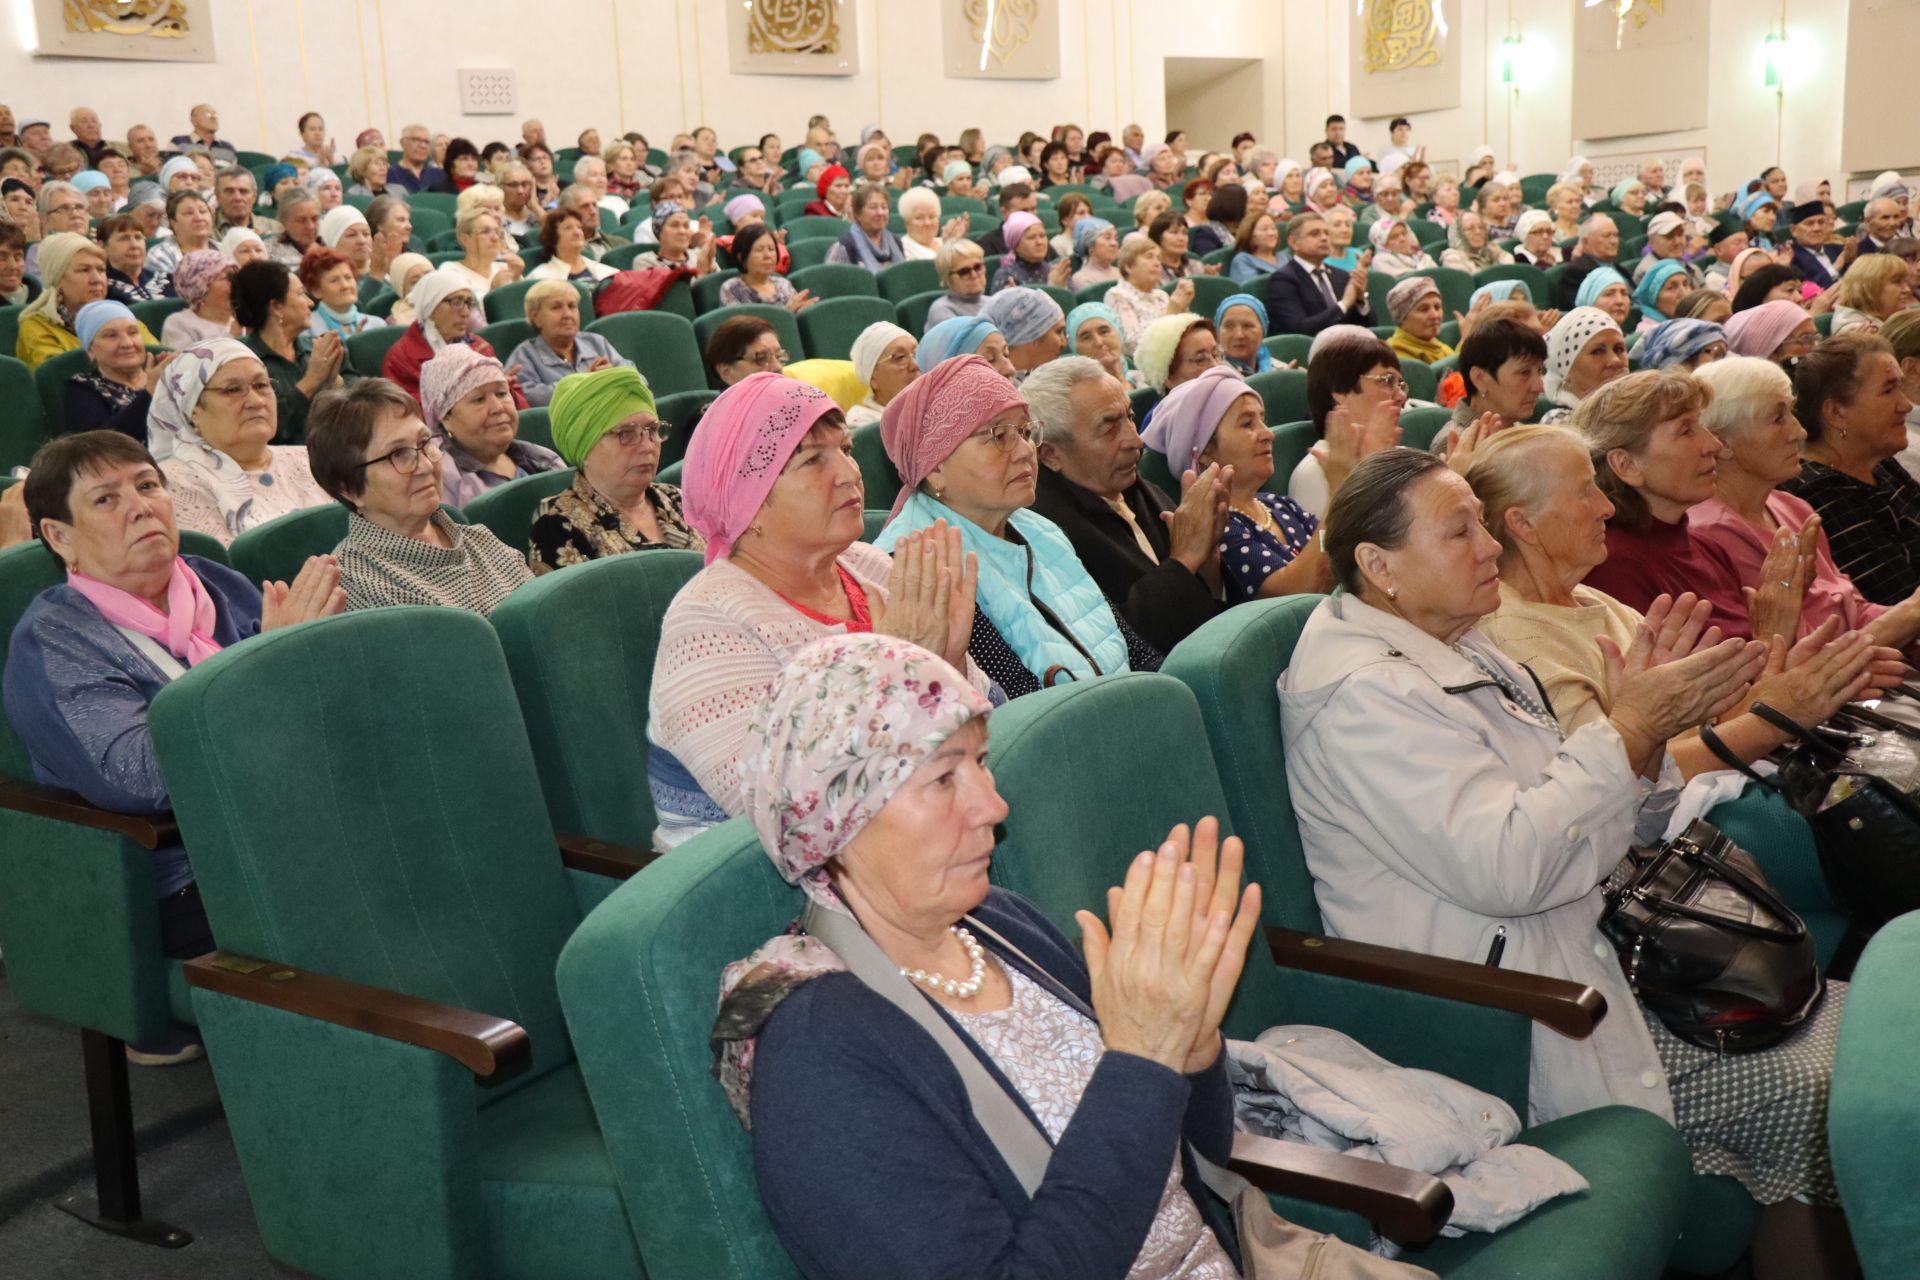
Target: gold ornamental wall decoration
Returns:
[[1001, 27], [158, 19], [1403, 34], [793, 27]]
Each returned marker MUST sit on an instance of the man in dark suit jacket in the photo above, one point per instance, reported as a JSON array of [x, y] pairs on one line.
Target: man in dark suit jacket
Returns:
[[1162, 576], [1814, 259], [1598, 246], [1305, 295]]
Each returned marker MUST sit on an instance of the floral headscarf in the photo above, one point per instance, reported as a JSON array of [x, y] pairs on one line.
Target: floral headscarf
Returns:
[[1313, 179], [1676, 341], [196, 273], [1406, 295], [846, 723], [171, 433]]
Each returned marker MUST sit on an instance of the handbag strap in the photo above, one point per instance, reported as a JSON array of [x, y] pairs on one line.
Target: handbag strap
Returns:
[[1732, 761], [1811, 737], [1692, 849], [1020, 1143]]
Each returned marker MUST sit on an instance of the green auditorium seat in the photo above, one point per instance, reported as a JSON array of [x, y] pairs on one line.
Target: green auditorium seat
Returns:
[[382, 1018], [509, 301], [580, 643], [1538, 290], [1419, 428], [1290, 346], [507, 509], [1141, 400], [836, 280], [911, 313], [706, 290], [1095, 293], [829, 329], [504, 335], [811, 227], [367, 350], [1232, 664], [536, 426], [877, 472], [682, 412], [23, 422], [10, 329], [1210, 291], [154, 312], [1284, 392], [1421, 384], [1062, 847], [663, 347], [808, 253], [1873, 1125], [904, 280]]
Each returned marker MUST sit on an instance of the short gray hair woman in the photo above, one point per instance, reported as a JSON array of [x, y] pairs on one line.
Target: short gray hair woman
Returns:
[[1440, 809], [962, 267]]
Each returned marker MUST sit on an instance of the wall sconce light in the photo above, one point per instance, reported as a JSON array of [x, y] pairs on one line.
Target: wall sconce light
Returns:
[[1776, 56], [1510, 62]]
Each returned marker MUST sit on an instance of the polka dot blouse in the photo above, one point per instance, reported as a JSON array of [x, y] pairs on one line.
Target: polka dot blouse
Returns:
[[1248, 554]]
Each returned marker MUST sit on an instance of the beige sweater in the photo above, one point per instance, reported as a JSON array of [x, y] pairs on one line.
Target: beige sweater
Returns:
[[1561, 645]]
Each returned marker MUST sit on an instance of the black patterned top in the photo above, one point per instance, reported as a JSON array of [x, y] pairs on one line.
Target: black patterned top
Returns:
[[1874, 529], [577, 525]]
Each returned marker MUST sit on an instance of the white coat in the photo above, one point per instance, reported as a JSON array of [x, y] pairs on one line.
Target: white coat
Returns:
[[1434, 811]]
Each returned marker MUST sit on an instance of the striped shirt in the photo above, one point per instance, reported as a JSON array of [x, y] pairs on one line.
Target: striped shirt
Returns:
[[1873, 529]]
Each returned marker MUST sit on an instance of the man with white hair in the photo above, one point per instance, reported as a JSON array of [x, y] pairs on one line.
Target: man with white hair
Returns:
[[205, 132], [533, 133], [584, 201], [85, 123], [1157, 561], [1598, 246], [1653, 176], [591, 172], [1880, 222]]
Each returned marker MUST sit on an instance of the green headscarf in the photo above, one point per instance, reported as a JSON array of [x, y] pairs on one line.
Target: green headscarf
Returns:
[[585, 406]]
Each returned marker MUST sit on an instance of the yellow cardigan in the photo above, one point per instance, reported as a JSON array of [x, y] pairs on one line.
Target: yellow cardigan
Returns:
[[41, 339]]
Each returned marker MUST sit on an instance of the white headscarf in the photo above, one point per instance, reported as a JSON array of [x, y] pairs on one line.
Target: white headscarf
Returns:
[[871, 345], [237, 236], [429, 291], [334, 223], [171, 433], [1568, 338]]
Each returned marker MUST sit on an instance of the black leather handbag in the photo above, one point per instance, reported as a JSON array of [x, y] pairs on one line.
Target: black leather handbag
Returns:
[[1865, 825], [1708, 945]]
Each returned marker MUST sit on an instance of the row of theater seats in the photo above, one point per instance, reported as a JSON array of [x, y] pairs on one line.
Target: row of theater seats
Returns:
[[452, 1043]]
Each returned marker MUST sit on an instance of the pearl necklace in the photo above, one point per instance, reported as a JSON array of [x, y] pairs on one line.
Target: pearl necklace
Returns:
[[961, 990]]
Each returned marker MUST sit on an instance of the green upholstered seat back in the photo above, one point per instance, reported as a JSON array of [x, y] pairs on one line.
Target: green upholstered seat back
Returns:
[[580, 643], [1093, 773], [25, 571], [1873, 1121], [274, 551], [829, 329], [1231, 664], [639, 981], [507, 509], [360, 800]]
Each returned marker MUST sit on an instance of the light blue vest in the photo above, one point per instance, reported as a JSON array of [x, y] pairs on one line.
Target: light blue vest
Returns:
[[1058, 579]]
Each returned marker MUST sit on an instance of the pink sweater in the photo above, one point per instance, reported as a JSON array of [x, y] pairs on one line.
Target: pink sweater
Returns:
[[1744, 545]]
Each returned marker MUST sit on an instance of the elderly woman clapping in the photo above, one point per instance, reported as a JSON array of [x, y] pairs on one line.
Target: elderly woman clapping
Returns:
[[211, 428], [559, 346], [374, 456], [467, 402], [88, 655], [890, 837], [961, 440], [1441, 807], [770, 483], [605, 424]]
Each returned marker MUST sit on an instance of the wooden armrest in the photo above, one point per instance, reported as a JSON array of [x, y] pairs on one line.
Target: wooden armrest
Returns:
[[601, 857], [1402, 1205], [148, 830], [492, 1048], [1570, 1008]]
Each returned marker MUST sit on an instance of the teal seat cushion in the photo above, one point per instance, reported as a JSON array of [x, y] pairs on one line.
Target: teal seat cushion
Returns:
[[544, 1174], [1873, 1122]]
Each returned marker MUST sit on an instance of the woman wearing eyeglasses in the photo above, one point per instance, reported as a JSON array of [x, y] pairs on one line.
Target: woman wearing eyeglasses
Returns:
[[373, 455], [743, 346], [211, 429], [962, 267], [606, 426]]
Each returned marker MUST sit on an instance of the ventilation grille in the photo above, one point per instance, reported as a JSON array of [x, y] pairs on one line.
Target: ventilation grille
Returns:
[[486, 91]]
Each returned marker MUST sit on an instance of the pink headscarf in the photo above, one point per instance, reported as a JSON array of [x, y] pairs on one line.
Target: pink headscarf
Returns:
[[1737, 273], [185, 630], [1016, 226], [1759, 331], [1184, 423], [1313, 179], [454, 371], [922, 426], [745, 438]]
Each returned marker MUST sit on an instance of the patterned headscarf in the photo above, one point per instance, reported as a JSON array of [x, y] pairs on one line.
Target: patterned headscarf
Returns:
[[1647, 294], [1406, 295], [1676, 341], [925, 423], [743, 442], [318, 177], [454, 371], [585, 406], [1023, 315], [196, 273], [171, 433], [1597, 282], [1568, 338], [664, 210], [1185, 422], [1487, 255], [1085, 232], [1382, 228], [846, 723], [958, 336], [1313, 179], [1759, 331]]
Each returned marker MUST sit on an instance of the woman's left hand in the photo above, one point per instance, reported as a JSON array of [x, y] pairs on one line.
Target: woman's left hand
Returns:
[[150, 372], [1217, 867], [955, 228], [315, 593], [1061, 273]]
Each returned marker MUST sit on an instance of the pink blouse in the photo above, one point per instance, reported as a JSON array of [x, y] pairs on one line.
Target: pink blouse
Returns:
[[1745, 544]]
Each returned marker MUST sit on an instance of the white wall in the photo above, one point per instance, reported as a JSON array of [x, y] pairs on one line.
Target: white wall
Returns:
[[660, 65]]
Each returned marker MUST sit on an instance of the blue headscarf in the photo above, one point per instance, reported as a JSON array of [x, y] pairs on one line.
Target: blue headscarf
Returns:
[[274, 176], [1597, 281], [1085, 232], [1674, 341], [1263, 359], [807, 158], [957, 336], [93, 317], [1650, 285], [1501, 290], [1753, 201]]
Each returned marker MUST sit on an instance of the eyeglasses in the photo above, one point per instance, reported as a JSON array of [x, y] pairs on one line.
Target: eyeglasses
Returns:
[[897, 359], [406, 459], [1801, 343], [971, 269], [1202, 360], [238, 390], [631, 436], [460, 302], [765, 359], [1004, 437], [1387, 381]]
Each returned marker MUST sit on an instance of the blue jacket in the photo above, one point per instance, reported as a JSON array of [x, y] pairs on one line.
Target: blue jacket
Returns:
[[1816, 267], [77, 693], [1016, 582], [1296, 304], [871, 1165]]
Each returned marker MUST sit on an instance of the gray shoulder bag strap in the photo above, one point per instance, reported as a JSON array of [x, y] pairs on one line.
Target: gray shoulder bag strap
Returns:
[[1025, 1149]]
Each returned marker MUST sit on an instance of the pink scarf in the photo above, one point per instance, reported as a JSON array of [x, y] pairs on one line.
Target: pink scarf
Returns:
[[185, 630]]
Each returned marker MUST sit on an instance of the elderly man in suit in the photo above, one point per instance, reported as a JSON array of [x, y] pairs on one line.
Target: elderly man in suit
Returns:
[[1305, 295]]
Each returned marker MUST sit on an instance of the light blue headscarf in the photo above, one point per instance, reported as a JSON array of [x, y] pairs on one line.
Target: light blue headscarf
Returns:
[[1080, 315], [1674, 341], [1501, 290], [957, 336], [1648, 291], [1359, 164], [90, 319], [807, 158], [1753, 201], [1263, 360], [1597, 281], [1085, 232]]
